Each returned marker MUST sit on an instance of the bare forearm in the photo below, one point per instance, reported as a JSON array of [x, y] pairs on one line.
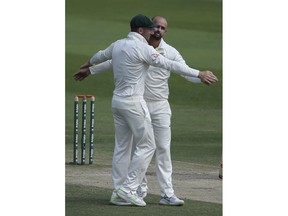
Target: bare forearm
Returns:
[[86, 65]]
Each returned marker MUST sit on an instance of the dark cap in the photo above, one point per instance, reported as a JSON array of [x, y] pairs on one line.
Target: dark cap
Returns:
[[141, 21]]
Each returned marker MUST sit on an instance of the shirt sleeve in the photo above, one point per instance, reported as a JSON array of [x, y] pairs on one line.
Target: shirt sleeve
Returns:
[[102, 55], [193, 79], [102, 67], [178, 57], [152, 57]]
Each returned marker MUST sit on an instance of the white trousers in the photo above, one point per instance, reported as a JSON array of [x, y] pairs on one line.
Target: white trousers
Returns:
[[160, 113], [132, 127]]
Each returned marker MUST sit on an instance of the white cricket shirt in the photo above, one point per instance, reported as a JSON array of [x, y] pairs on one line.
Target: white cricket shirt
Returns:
[[156, 83], [131, 59]]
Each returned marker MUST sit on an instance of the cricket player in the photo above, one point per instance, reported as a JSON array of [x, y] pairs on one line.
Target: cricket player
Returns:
[[131, 58]]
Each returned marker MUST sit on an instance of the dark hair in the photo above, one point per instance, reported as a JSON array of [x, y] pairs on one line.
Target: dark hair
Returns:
[[134, 29]]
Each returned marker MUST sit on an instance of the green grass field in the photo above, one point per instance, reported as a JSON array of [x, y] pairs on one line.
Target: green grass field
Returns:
[[195, 29], [95, 201]]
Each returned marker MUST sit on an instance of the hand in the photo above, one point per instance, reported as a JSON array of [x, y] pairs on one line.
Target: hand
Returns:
[[81, 74], [207, 77]]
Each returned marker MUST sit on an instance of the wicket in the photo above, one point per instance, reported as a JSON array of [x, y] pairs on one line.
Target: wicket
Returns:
[[84, 122]]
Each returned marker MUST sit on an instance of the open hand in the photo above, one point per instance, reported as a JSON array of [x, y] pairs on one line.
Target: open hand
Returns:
[[81, 74], [207, 77]]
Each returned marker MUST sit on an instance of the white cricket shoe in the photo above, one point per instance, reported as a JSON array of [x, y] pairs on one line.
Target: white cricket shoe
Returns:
[[173, 200], [116, 200], [131, 197], [141, 194]]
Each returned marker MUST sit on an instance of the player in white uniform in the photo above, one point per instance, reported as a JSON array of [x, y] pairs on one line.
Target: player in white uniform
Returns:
[[131, 59], [156, 96]]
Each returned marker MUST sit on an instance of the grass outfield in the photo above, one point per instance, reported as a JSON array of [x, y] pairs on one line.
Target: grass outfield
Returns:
[[195, 29], [90, 201]]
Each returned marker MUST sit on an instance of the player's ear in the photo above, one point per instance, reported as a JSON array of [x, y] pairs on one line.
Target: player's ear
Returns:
[[140, 30]]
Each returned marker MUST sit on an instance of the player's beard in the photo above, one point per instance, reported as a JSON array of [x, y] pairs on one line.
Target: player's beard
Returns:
[[156, 36]]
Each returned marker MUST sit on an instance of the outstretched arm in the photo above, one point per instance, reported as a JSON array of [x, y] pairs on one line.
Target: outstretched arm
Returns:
[[86, 70], [102, 67], [98, 57], [152, 57], [206, 77], [193, 79]]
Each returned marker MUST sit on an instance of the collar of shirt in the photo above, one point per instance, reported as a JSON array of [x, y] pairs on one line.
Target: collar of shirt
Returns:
[[161, 48], [136, 36]]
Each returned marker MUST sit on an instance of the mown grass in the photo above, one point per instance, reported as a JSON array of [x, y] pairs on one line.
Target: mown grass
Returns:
[[91, 201]]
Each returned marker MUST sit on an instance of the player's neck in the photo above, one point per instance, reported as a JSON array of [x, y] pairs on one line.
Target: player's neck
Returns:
[[153, 42]]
